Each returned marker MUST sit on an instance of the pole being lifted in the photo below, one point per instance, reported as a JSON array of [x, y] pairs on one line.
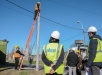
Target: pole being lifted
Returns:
[[37, 11]]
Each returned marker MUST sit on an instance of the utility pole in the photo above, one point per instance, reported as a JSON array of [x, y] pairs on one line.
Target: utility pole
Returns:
[[82, 31], [38, 44]]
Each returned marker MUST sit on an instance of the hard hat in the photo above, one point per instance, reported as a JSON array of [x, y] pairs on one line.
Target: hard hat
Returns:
[[73, 49], [77, 51], [38, 2], [92, 29], [55, 34], [16, 46]]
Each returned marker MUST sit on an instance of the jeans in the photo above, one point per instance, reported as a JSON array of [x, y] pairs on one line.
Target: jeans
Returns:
[[72, 69], [90, 71]]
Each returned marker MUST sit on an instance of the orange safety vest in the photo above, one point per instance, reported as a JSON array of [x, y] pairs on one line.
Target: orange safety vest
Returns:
[[17, 55]]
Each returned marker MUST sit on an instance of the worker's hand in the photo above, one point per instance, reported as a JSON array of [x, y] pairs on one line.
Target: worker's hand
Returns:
[[52, 71], [52, 65], [87, 69]]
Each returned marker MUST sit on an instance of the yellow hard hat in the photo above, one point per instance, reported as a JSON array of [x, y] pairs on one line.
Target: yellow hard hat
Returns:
[[16, 46], [77, 51]]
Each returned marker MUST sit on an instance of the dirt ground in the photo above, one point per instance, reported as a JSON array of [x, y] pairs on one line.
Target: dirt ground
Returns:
[[21, 72]]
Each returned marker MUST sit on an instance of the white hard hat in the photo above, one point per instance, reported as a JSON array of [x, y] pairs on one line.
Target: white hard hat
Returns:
[[55, 34], [92, 29], [38, 2], [73, 48]]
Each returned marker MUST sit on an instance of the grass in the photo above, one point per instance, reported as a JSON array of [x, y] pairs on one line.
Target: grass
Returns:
[[31, 72], [2, 68], [24, 73]]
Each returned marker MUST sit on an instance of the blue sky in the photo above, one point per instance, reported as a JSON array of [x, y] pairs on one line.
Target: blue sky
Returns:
[[15, 22]]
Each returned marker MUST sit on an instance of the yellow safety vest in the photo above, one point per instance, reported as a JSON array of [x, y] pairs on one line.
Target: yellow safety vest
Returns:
[[99, 51], [52, 52]]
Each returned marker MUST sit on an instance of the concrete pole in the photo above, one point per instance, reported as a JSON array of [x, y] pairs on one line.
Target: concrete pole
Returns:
[[38, 44]]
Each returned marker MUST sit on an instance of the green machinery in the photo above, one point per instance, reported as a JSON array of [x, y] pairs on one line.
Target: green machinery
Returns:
[[3, 47]]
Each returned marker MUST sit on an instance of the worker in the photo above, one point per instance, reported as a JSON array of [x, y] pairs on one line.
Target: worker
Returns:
[[30, 59], [79, 65], [53, 55], [72, 61], [36, 9], [94, 60], [17, 55]]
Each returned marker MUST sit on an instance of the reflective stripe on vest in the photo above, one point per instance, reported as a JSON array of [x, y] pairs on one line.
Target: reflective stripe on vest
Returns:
[[52, 52], [16, 55], [99, 51]]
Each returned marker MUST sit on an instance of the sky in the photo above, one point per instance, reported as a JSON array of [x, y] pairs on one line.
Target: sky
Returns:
[[62, 15]]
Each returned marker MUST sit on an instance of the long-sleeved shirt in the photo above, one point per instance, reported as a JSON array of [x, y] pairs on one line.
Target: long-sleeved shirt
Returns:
[[58, 63], [72, 59], [19, 52], [92, 52]]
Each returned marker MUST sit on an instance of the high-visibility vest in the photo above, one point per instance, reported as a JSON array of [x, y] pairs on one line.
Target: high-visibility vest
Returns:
[[99, 51], [16, 55], [52, 52]]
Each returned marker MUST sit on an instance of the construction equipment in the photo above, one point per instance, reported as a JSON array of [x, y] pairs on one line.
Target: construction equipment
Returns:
[[3, 47], [29, 38]]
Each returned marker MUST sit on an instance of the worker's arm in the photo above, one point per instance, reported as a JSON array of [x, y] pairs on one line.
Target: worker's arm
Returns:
[[45, 60], [68, 57], [19, 52], [60, 60], [92, 52]]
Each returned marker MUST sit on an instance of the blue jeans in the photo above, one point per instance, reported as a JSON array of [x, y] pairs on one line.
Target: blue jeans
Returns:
[[90, 70]]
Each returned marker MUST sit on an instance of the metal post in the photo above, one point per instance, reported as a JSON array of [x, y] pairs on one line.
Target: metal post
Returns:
[[38, 44], [82, 31]]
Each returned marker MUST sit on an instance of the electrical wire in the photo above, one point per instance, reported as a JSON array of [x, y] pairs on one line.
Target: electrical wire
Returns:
[[15, 10], [74, 7], [42, 16], [71, 37]]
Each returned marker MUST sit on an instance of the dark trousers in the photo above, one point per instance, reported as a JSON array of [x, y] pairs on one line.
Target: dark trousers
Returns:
[[16, 62], [78, 71], [36, 12], [54, 74]]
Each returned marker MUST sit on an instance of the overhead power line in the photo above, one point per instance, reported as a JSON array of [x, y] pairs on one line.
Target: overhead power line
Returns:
[[19, 6], [60, 23], [42, 16], [72, 37], [15, 10], [74, 7]]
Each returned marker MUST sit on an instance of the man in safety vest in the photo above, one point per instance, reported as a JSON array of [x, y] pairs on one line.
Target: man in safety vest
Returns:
[[53, 56], [17, 55], [95, 54]]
